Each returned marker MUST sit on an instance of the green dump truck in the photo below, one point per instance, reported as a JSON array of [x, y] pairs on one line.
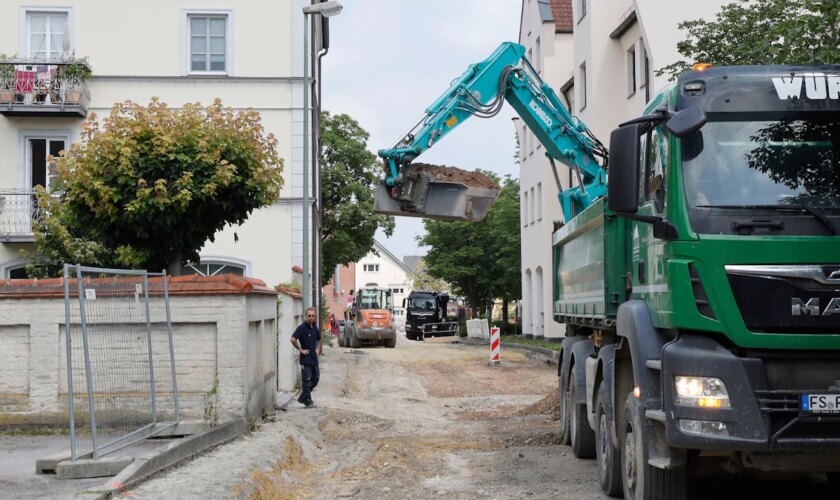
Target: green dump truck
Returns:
[[702, 296], [698, 276]]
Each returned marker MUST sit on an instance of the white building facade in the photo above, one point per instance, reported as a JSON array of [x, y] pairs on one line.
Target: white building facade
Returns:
[[382, 269], [248, 54], [600, 57]]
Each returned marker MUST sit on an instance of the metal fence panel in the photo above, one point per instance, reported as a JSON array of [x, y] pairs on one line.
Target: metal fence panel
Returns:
[[121, 381]]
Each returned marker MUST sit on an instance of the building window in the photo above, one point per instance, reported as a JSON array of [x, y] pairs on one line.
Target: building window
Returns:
[[47, 35], [631, 70], [531, 209], [538, 62], [209, 43], [213, 268], [582, 86], [525, 210], [539, 201], [370, 268], [569, 95], [582, 9], [37, 152], [397, 290]]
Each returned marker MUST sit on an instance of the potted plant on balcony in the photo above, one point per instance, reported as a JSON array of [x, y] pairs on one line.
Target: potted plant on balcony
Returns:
[[7, 76], [74, 75]]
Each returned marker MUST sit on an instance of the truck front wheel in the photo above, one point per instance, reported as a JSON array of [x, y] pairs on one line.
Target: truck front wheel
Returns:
[[641, 480]]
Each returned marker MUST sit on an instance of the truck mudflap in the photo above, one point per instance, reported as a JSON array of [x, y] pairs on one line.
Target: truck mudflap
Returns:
[[761, 418]]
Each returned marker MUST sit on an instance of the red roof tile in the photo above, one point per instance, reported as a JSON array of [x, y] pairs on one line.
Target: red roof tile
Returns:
[[562, 11]]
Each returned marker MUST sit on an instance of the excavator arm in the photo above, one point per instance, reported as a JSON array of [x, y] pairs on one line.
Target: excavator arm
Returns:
[[481, 91]]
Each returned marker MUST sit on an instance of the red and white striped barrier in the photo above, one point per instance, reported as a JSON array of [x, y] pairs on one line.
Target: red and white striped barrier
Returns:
[[495, 345]]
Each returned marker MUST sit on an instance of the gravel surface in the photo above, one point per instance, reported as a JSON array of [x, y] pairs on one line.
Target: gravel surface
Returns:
[[424, 420]]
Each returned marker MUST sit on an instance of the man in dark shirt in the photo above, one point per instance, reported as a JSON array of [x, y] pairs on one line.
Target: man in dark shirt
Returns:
[[307, 341]]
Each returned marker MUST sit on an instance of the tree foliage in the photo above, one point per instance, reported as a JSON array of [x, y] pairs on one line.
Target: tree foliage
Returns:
[[349, 175], [149, 185], [422, 280], [481, 260], [762, 32]]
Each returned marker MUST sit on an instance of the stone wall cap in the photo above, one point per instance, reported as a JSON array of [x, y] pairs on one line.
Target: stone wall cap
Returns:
[[189, 285], [291, 292]]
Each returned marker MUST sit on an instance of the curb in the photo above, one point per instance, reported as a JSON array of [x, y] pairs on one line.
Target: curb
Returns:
[[553, 355], [164, 458]]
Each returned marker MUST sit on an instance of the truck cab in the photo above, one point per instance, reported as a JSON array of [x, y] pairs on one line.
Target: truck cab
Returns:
[[427, 315]]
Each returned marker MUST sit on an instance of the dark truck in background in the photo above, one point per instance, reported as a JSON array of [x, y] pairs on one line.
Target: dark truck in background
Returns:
[[426, 315]]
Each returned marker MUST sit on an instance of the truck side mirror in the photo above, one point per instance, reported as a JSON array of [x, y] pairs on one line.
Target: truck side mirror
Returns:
[[623, 183], [686, 121]]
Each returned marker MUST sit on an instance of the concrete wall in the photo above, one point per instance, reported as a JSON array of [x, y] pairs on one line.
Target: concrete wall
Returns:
[[289, 316], [229, 338]]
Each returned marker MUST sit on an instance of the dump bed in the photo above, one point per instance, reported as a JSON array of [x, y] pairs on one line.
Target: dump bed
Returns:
[[590, 265]]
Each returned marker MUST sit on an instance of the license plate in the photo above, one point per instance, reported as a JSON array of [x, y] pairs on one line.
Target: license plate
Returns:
[[820, 403]]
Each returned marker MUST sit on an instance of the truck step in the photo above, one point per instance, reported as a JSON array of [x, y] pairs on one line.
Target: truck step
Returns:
[[657, 415], [654, 364]]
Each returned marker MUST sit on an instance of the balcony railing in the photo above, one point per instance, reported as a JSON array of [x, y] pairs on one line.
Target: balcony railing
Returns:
[[43, 88], [18, 211]]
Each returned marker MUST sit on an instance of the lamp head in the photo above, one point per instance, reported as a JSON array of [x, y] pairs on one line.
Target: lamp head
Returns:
[[326, 9]]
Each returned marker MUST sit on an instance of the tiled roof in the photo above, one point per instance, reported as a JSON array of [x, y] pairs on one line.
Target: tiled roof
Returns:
[[223, 284], [562, 11]]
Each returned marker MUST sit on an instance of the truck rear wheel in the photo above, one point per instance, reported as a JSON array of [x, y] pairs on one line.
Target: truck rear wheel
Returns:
[[608, 457], [641, 480], [390, 343], [582, 436], [565, 438]]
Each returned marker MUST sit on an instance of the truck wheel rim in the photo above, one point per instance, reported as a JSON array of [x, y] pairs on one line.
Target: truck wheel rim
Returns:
[[630, 459], [603, 442]]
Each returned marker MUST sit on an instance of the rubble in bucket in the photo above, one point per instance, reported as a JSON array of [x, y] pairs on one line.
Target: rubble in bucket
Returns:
[[438, 192]]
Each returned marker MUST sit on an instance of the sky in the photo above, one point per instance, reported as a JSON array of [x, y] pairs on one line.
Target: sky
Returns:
[[390, 59]]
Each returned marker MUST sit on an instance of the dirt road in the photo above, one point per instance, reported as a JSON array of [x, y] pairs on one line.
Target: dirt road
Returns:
[[422, 420]]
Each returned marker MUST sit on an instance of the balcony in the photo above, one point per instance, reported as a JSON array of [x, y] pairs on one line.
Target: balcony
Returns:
[[44, 88], [18, 210]]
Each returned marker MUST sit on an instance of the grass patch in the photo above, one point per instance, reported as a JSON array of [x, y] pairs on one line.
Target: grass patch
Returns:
[[516, 339], [35, 431]]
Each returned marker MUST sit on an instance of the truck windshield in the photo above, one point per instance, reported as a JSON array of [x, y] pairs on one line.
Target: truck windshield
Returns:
[[787, 161], [423, 301]]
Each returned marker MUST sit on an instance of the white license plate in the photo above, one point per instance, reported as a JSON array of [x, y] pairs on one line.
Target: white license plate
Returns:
[[820, 403]]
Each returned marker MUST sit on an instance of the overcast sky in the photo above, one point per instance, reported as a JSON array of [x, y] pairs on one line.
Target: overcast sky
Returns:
[[389, 60]]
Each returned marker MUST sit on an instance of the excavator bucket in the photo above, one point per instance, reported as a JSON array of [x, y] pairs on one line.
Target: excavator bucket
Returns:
[[434, 192]]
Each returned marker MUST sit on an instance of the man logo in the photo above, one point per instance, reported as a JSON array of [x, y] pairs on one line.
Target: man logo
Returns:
[[817, 86], [812, 307]]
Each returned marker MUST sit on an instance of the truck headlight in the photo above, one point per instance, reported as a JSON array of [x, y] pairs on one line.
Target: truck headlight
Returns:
[[701, 392]]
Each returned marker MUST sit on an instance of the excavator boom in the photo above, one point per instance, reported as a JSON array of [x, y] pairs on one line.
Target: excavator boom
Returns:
[[481, 91]]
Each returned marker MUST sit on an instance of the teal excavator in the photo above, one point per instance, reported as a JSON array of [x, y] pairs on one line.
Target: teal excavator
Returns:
[[481, 91]]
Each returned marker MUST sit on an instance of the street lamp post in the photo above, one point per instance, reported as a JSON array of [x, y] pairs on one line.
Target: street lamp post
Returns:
[[326, 9]]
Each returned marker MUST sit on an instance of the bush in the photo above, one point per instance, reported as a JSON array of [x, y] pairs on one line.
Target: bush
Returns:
[[507, 328]]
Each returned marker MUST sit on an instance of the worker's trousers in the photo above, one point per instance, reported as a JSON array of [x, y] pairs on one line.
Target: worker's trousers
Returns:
[[311, 374]]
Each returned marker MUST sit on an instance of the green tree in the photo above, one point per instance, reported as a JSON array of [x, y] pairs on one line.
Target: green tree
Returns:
[[762, 32], [422, 280], [349, 176], [149, 185], [481, 260]]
